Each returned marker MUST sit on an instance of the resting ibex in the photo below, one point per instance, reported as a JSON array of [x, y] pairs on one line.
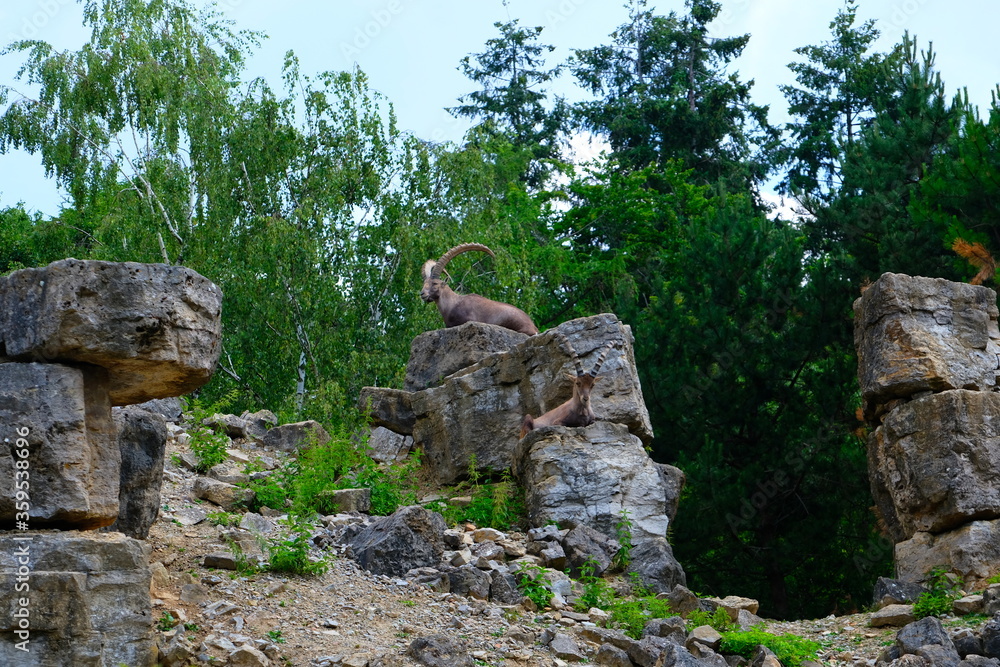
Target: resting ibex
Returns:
[[577, 410], [461, 308]]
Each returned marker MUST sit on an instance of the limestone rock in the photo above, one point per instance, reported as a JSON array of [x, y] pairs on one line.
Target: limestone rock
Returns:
[[156, 328], [897, 615], [292, 438], [226, 496], [388, 446], [439, 651], [142, 440], [895, 591], [933, 462], [589, 476], [409, 538], [89, 601], [652, 560], [73, 463], [477, 411], [916, 334], [466, 345], [586, 547], [971, 551], [388, 408], [926, 631]]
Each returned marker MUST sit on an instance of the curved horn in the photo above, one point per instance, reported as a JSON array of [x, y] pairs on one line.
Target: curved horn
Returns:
[[600, 359], [454, 252], [569, 350]]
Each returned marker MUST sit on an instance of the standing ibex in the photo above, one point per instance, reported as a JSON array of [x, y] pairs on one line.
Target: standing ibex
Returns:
[[461, 308], [577, 410]]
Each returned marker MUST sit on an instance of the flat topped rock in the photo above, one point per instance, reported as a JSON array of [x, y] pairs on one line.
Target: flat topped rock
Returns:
[[156, 328]]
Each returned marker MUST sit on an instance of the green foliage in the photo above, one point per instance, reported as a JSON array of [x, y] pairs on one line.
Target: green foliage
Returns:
[[623, 533], [273, 489], [662, 93], [596, 591], [275, 636], [790, 649], [166, 622], [223, 518], [631, 615], [937, 601], [718, 619], [341, 464], [289, 552], [511, 102], [208, 446], [497, 505], [534, 584]]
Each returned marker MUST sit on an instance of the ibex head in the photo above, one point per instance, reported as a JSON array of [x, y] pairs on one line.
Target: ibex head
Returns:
[[583, 383], [431, 291], [577, 410]]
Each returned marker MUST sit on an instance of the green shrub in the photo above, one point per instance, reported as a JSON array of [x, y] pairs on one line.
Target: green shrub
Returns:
[[290, 552], [343, 464], [936, 601], [208, 447], [596, 591], [790, 649], [623, 533], [497, 505], [531, 581], [718, 619], [631, 616]]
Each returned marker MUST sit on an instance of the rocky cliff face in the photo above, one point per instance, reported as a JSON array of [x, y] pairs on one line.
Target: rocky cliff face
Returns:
[[76, 338], [469, 387], [928, 368]]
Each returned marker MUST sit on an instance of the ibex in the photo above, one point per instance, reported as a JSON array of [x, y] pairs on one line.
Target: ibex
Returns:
[[577, 410], [458, 309]]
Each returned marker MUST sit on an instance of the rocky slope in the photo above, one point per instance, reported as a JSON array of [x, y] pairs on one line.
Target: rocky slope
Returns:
[[348, 616]]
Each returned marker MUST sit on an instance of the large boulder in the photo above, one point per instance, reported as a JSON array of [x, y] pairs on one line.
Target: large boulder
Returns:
[[410, 538], [971, 551], [89, 603], [156, 328], [142, 440], [917, 334], [72, 470], [463, 346], [296, 437], [933, 462], [476, 413], [388, 408], [594, 475]]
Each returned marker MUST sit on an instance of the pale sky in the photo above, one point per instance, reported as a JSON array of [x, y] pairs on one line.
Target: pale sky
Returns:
[[411, 49]]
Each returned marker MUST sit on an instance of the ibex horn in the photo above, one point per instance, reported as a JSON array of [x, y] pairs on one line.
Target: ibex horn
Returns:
[[600, 359], [569, 350], [454, 252]]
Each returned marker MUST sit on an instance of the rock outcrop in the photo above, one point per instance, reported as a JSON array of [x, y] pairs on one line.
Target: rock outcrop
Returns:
[[142, 440], [76, 338], [928, 367], [89, 600], [475, 412], [468, 390], [156, 328], [73, 469]]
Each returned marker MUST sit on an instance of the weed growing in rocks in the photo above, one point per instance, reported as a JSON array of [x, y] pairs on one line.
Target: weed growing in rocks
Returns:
[[936, 601], [498, 505], [290, 552], [623, 533], [790, 649], [531, 580], [208, 446], [718, 619]]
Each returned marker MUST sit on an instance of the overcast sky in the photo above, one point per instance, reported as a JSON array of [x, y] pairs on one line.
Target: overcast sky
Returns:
[[411, 49]]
